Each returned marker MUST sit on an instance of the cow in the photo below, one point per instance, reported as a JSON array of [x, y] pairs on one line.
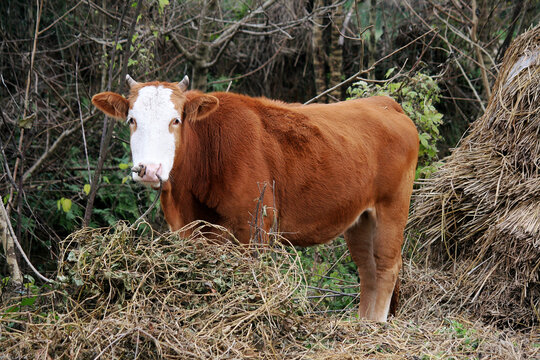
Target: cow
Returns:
[[343, 168]]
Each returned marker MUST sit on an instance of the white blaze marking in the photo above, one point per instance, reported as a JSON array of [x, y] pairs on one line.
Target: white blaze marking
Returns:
[[152, 142]]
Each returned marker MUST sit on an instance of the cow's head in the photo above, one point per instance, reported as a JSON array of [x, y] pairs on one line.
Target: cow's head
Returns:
[[156, 113]]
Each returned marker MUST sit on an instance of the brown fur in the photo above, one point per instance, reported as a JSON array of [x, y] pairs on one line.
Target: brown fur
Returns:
[[344, 168]]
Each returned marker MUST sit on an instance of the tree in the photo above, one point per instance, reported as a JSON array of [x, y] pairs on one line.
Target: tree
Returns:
[[318, 51], [206, 48], [6, 236], [327, 47]]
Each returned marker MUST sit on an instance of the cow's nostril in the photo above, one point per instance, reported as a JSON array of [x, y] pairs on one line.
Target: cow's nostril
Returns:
[[142, 172], [139, 170]]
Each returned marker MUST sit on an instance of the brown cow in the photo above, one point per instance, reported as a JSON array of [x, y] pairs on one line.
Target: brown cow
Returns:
[[344, 168]]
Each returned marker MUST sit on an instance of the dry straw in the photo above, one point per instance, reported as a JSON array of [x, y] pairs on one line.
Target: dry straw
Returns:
[[126, 296], [129, 296], [478, 217]]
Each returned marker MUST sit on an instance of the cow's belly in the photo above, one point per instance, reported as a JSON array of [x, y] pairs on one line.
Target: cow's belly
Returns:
[[331, 202], [311, 237], [316, 230], [308, 238]]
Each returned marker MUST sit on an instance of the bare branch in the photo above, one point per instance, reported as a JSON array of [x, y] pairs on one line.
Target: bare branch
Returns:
[[355, 76], [253, 71], [52, 149], [233, 29], [450, 46], [10, 239], [60, 18], [191, 56], [28, 81], [108, 125]]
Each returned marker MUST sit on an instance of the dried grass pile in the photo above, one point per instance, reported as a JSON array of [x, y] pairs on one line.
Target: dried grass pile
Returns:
[[478, 217], [126, 296]]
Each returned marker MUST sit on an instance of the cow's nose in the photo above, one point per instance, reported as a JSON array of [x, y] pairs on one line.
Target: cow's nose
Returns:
[[150, 172]]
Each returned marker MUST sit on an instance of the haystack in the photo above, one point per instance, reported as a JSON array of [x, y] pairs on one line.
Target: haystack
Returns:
[[478, 217]]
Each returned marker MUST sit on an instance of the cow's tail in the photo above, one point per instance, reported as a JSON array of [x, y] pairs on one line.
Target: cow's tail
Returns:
[[394, 302]]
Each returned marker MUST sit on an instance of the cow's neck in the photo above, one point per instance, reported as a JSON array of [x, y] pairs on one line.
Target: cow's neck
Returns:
[[180, 207], [203, 161], [170, 207]]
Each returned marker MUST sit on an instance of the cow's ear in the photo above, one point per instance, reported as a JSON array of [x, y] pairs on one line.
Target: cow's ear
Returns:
[[199, 106], [112, 104]]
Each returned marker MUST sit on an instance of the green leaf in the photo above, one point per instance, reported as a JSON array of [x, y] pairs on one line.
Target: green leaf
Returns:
[[13, 308], [86, 189], [424, 139], [123, 166], [118, 46], [162, 4], [389, 72], [28, 301], [26, 122], [66, 204]]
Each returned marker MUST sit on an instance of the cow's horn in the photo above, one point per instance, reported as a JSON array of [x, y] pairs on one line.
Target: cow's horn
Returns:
[[183, 85], [130, 81]]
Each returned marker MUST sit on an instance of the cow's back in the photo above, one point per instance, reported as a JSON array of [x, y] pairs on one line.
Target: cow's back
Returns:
[[332, 161]]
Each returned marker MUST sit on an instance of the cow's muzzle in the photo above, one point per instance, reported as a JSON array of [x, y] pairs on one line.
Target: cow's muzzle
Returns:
[[149, 173]]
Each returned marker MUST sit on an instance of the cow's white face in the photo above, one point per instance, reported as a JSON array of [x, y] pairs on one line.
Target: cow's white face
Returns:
[[154, 113], [152, 120]]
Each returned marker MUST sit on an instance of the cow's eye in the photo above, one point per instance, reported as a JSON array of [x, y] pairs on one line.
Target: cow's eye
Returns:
[[177, 121], [130, 121]]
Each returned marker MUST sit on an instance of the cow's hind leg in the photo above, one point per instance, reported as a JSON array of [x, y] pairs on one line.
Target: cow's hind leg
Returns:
[[375, 247]]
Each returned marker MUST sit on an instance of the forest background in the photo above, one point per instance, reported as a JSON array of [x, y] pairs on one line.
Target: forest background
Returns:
[[64, 165]]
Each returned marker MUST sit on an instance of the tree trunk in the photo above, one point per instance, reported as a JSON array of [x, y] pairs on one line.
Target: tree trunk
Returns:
[[318, 53], [372, 44], [199, 75], [6, 235], [336, 54], [479, 55], [518, 10]]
